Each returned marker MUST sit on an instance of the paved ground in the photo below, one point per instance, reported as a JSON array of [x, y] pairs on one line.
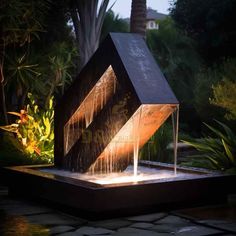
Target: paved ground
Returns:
[[23, 218]]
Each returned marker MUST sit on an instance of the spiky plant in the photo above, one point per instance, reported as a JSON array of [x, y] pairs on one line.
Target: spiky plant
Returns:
[[218, 152]]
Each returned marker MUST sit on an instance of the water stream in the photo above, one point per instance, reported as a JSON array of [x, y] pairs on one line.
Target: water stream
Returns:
[[93, 103], [136, 135], [175, 125]]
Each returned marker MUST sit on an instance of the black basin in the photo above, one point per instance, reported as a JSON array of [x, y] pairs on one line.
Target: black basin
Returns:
[[98, 201]]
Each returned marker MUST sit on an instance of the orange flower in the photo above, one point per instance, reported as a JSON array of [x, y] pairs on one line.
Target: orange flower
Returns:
[[23, 116]]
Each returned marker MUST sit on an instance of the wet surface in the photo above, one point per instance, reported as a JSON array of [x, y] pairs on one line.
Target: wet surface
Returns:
[[12, 225], [127, 176], [23, 218]]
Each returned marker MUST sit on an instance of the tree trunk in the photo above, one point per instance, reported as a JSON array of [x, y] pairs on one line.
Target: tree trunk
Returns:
[[3, 109], [138, 17], [87, 20]]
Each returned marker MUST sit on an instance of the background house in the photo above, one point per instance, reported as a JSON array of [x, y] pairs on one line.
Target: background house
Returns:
[[152, 18]]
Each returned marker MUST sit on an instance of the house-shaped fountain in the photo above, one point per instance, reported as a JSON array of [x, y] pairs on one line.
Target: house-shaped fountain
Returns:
[[114, 106], [117, 102]]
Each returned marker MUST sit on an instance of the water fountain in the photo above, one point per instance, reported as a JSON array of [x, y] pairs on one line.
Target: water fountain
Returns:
[[116, 104]]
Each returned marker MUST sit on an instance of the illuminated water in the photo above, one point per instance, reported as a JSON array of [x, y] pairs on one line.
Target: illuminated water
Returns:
[[143, 174], [92, 104], [175, 125], [136, 126]]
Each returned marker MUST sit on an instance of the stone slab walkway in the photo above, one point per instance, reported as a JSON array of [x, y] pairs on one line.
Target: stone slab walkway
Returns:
[[23, 218]]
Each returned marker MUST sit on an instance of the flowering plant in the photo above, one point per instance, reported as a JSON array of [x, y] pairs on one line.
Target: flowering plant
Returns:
[[33, 130]]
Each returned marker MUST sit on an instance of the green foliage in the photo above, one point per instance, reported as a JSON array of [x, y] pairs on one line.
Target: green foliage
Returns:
[[210, 24], [207, 82], [57, 71], [33, 131], [43, 66], [112, 23], [21, 20], [56, 27], [22, 76], [11, 156], [215, 152], [203, 91], [156, 148], [224, 96], [20, 23]]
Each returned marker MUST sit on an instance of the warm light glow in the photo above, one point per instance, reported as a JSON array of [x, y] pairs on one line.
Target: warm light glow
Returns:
[[143, 174], [92, 104], [120, 179], [132, 136]]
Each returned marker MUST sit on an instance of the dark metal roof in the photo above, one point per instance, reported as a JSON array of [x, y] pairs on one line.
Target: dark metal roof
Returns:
[[149, 83], [131, 52]]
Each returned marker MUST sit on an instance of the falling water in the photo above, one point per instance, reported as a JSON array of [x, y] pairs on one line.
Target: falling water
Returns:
[[92, 104], [136, 136], [131, 137], [175, 125]]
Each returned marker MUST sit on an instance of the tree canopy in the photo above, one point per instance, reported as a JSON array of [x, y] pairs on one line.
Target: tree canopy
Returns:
[[210, 23], [113, 23]]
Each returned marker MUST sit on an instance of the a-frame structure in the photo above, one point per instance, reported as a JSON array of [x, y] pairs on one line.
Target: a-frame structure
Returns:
[[117, 102]]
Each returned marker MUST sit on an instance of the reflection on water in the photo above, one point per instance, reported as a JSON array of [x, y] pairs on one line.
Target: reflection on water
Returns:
[[19, 226]]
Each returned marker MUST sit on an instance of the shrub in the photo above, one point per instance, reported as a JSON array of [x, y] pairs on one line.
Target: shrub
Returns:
[[218, 152], [33, 131], [214, 91], [224, 96]]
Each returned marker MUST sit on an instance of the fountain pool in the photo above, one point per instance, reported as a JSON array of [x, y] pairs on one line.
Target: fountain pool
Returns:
[[155, 188], [143, 174]]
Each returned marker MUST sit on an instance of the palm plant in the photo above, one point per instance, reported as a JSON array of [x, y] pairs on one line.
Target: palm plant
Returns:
[[22, 76], [113, 23], [59, 68], [217, 152], [87, 20]]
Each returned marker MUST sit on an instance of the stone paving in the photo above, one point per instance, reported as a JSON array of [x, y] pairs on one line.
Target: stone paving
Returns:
[[23, 218]]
